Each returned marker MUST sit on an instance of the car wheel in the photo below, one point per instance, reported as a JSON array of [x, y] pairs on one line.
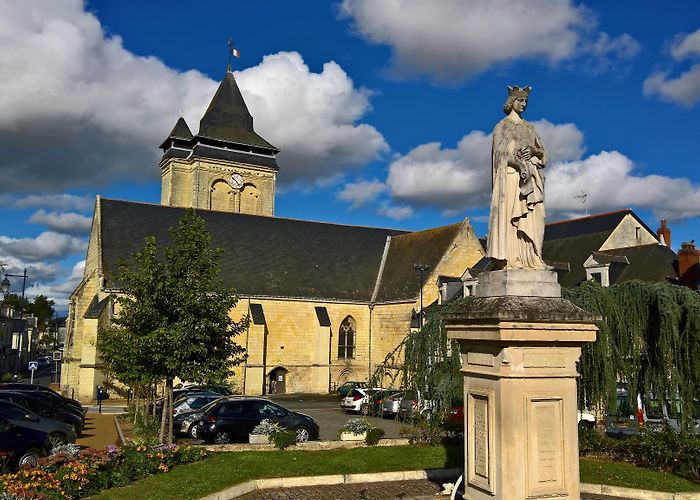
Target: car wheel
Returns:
[[364, 409], [222, 437], [76, 429], [30, 458], [193, 431], [303, 434], [585, 424], [57, 439]]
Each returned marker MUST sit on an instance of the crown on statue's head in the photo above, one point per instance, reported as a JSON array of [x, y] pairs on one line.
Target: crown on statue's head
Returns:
[[519, 92]]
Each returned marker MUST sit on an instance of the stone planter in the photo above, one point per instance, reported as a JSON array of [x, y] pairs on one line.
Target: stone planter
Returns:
[[258, 438], [349, 436]]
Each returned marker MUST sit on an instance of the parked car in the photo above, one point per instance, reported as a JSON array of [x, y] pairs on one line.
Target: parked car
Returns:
[[194, 389], [44, 408], [413, 405], [14, 386], [628, 416], [456, 414], [376, 405], [194, 401], [586, 419], [58, 432], [348, 387], [233, 419], [187, 422], [20, 445], [390, 407], [358, 400]]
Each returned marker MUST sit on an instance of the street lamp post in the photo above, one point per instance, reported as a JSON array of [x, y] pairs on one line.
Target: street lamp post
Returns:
[[420, 268], [4, 288]]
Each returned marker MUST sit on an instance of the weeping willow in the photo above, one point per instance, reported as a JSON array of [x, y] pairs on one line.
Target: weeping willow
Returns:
[[649, 339]]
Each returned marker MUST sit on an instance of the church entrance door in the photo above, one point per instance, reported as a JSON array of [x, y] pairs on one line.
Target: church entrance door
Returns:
[[278, 379]]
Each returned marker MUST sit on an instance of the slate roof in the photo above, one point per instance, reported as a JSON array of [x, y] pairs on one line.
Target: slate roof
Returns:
[[180, 132], [267, 256], [574, 240], [206, 151], [646, 262], [96, 307], [227, 118], [399, 279]]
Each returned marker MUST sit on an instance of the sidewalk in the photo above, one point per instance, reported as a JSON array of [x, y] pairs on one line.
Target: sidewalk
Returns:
[[99, 431]]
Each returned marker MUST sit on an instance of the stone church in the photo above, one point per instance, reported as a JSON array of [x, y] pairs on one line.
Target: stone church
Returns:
[[327, 302]]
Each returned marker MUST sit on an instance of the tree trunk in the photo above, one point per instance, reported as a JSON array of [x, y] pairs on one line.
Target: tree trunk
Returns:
[[169, 386], [136, 409], [163, 416]]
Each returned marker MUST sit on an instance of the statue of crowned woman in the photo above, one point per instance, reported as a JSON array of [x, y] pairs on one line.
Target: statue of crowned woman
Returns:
[[516, 221]]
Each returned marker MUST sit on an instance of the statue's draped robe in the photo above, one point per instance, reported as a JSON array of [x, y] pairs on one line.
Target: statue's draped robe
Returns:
[[516, 222]]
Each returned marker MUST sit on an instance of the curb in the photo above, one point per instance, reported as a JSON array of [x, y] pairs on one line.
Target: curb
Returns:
[[119, 430], [619, 491], [371, 477], [307, 446]]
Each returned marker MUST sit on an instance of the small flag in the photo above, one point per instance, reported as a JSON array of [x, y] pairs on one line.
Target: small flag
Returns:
[[235, 53]]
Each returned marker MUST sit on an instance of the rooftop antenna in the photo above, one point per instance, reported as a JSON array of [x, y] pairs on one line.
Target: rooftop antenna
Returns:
[[232, 52], [583, 197]]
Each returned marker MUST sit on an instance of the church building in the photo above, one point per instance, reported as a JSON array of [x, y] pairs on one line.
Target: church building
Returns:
[[327, 302]]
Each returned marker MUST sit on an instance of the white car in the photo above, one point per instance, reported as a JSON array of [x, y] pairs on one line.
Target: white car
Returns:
[[586, 419], [353, 402]]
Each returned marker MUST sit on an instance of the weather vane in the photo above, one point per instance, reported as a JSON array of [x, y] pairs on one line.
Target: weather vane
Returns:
[[232, 52]]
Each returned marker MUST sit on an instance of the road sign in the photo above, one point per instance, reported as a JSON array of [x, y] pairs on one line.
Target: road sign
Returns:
[[57, 355], [33, 365]]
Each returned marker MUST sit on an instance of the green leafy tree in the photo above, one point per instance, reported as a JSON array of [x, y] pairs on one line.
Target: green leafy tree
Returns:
[[173, 316], [17, 303], [43, 309]]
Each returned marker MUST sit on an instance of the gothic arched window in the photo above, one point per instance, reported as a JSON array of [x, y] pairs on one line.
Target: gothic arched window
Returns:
[[346, 338]]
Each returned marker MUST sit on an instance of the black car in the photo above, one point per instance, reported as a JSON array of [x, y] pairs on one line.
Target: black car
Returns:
[[54, 400], [20, 445], [13, 386], [187, 422], [232, 420], [59, 432], [45, 408]]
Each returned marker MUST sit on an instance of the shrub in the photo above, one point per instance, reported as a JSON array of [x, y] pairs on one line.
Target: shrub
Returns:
[[424, 429], [660, 449], [283, 438], [374, 435], [355, 426], [66, 474], [265, 428]]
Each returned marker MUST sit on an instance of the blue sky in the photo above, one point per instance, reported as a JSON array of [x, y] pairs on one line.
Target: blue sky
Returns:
[[382, 110]]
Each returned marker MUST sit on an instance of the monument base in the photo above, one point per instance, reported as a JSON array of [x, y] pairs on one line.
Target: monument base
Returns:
[[519, 359], [518, 282]]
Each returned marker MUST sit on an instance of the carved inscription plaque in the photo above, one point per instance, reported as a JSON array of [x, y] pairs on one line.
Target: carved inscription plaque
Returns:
[[481, 437], [545, 446]]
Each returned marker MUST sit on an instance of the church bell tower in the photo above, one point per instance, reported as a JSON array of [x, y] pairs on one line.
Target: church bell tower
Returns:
[[226, 166]]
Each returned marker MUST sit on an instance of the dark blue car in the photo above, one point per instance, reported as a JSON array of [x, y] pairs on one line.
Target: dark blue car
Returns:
[[20, 445]]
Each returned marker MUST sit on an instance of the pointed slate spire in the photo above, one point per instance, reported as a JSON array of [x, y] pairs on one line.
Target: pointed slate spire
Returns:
[[180, 132], [228, 120]]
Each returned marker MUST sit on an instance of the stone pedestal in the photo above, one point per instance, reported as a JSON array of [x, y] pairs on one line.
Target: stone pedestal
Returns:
[[519, 358]]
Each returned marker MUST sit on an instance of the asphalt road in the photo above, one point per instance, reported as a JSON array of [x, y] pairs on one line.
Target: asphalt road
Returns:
[[326, 410]]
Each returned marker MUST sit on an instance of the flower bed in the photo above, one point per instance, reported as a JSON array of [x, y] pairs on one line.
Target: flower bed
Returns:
[[68, 476]]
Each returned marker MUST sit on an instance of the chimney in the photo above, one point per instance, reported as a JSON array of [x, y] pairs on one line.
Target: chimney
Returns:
[[689, 265], [664, 234]]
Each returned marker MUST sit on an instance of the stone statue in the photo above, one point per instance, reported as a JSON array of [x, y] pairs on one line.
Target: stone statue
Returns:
[[516, 221]]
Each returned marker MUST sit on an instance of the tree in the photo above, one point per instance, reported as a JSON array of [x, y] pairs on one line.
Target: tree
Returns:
[[173, 315], [43, 309]]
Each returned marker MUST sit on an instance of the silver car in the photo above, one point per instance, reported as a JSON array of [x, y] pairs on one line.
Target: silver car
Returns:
[[390, 407]]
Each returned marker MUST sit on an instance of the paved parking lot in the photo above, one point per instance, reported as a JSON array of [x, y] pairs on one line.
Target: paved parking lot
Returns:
[[326, 410]]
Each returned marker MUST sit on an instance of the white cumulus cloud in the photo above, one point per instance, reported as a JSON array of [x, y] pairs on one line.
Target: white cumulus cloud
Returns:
[[78, 109], [48, 245], [396, 212], [312, 117], [361, 192], [683, 89], [66, 222], [457, 179], [451, 39], [63, 202]]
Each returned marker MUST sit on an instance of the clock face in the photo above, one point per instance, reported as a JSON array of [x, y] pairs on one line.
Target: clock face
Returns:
[[236, 181]]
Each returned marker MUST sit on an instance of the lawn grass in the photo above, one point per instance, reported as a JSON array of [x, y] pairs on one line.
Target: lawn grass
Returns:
[[596, 471], [222, 470]]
